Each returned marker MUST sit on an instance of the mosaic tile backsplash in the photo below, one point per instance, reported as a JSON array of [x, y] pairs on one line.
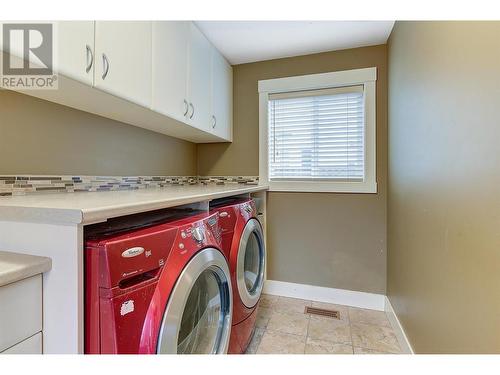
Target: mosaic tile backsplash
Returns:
[[22, 185]]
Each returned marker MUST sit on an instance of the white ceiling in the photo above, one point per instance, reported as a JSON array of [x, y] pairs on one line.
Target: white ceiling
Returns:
[[249, 41]]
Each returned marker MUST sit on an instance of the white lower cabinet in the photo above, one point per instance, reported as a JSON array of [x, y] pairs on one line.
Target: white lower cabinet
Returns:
[[20, 311], [32, 345]]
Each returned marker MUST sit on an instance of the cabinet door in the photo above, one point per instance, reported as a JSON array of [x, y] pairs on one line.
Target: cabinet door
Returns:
[[16, 47], [76, 57], [222, 96], [123, 59], [74, 42], [170, 68], [199, 79], [20, 310]]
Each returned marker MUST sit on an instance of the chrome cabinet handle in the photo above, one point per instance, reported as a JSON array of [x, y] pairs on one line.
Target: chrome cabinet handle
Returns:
[[186, 107], [90, 58], [192, 108], [215, 121], [105, 66]]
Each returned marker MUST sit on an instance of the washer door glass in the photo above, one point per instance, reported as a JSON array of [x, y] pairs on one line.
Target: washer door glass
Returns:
[[252, 263], [202, 317], [197, 318]]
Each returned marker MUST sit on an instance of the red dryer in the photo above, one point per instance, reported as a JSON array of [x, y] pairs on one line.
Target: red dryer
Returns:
[[161, 289], [244, 246]]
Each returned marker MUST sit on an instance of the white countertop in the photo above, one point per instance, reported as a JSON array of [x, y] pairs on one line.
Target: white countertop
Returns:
[[15, 267], [92, 207]]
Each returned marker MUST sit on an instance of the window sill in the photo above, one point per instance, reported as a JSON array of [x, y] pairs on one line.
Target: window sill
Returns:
[[323, 187]]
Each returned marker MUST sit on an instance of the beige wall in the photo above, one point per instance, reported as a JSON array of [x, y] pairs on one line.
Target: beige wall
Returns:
[[444, 184], [40, 137], [332, 240]]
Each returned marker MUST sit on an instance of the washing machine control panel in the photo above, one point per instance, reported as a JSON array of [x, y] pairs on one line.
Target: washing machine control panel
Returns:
[[198, 234]]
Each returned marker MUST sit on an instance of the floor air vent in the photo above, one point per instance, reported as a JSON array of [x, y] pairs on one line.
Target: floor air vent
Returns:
[[322, 312]]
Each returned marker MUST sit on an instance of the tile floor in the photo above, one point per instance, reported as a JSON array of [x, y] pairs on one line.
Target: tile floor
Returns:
[[283, 328]]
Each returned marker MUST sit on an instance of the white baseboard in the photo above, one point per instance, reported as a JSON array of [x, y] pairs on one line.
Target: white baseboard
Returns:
[[322, 294], [398, 328]]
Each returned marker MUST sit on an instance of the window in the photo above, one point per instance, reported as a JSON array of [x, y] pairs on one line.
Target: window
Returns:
[[318, 132]]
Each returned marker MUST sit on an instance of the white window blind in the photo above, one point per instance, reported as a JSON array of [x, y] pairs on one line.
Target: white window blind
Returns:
[[317, 135]]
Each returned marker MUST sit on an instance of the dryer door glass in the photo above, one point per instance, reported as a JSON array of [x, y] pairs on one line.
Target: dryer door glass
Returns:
[[251, 263], [202, 317]]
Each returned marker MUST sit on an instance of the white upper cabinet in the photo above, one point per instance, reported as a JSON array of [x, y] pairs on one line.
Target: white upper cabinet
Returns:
[[170, 68], [75, 45], [74, 52], [222, 96], [199, 79], [165, 76], [192, 82], [123, 59]]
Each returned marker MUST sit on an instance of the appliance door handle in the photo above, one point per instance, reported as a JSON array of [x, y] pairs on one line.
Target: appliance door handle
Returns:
[[105, 66], [192, 108], [90, 58]]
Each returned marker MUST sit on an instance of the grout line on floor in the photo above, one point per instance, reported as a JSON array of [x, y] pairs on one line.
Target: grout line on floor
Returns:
[[260, 341], [307, 330], [284, 333], [350, 328]]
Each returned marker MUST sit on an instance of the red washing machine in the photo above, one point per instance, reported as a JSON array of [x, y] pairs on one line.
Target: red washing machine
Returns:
[[160, 289], [244, 246]]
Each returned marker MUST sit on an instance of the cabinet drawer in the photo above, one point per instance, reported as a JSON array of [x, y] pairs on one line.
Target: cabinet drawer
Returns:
[[32, 345], [20, 311]]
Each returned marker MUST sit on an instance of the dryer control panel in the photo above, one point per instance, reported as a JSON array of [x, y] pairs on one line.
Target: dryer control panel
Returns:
[[248, 210]]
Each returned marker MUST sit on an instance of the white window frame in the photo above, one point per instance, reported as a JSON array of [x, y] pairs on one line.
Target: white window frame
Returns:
[[366, 77]]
